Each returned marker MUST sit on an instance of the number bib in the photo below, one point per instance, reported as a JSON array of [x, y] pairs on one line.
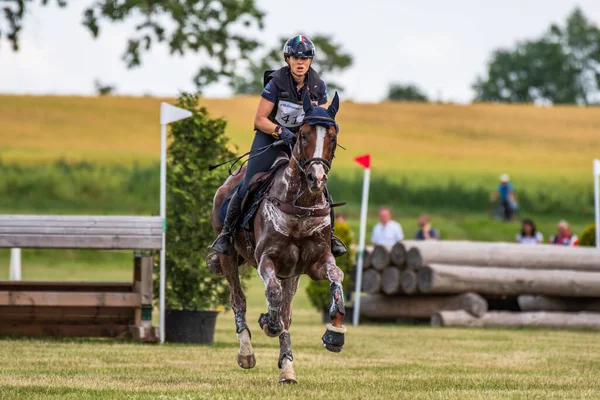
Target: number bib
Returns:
[[289, 114]]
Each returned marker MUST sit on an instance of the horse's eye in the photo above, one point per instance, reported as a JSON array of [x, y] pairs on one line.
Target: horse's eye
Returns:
[[304, 137]]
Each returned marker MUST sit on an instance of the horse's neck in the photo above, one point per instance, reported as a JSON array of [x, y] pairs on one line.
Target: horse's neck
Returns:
[[294, 188]]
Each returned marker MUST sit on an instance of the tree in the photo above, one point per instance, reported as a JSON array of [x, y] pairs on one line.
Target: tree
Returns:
[[104, 89], [329, 59], [580, 40], [201, 26], [562, 67], [409, 92]]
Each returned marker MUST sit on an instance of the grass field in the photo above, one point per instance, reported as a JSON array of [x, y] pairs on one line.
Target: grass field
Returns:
[[378, 362], [428, 142]]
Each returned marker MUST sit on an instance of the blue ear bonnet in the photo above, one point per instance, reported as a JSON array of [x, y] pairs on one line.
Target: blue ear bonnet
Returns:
[[319, 115]]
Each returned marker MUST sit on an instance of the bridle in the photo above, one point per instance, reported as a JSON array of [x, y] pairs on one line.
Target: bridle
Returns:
[[304, 163]]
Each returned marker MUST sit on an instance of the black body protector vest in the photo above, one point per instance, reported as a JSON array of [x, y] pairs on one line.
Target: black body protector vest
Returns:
[[288, 110]]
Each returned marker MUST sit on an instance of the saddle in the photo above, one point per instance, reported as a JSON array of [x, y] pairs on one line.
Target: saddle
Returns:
[[257, 189]]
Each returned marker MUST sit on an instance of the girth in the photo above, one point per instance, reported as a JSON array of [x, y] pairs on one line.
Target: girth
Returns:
[[298, 211]]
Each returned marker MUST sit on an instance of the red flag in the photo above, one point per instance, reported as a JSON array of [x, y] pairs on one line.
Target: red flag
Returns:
[[365, 160]]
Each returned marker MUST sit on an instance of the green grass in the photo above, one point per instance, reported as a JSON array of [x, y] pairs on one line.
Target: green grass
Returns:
[[378, 361]]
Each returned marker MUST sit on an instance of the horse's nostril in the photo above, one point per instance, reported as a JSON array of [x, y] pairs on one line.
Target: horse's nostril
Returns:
[[310, 177]]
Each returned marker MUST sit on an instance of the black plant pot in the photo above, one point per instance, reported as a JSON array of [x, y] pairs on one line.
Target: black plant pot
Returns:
[[347, 317], [184, 326]]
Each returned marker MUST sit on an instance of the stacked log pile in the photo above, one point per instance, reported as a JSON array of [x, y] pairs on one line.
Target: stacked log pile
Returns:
[[452, 283]]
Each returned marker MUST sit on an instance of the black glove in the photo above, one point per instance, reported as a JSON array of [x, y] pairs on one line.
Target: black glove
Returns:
[[287, 136]]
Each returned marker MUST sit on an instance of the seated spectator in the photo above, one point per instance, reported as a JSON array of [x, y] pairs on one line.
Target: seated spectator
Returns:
[[426, 231], [529, 233], [564, 236], [386, 232]]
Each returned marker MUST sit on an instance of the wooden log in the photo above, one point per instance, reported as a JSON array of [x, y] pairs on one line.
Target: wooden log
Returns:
[[507, 319], [386, 308], [530, 303], [371, 281], [438, 278], [413, 258], [367, 257], [398, 255], [395, 281], [122, 315], [69, 286], [82, 299], [106, 242], [380, 257], [508, 255]]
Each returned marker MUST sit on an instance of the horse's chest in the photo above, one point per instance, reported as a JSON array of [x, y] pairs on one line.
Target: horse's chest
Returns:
[[294, 227]]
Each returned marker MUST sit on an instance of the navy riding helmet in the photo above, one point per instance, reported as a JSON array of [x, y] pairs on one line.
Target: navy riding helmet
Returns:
[[299, 46]]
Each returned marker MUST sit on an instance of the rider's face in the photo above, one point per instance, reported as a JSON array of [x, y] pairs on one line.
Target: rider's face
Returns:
[[299, 66]]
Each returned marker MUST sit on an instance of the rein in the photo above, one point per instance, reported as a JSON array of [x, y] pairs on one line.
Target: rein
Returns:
[[251, 154]]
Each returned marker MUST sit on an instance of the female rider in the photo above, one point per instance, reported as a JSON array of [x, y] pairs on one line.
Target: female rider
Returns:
[[279, 116]]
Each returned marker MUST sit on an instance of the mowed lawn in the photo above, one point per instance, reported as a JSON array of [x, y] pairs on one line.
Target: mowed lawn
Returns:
[[378, 361], [430, 142]]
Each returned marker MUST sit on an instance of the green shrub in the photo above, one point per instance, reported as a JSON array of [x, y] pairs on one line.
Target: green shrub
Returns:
[[588, 237], [318, 291], [196, 142]]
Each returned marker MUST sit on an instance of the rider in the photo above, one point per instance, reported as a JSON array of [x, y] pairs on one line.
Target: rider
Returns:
[[279, 116]]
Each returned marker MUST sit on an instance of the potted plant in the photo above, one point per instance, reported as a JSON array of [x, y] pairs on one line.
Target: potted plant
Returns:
[[319, 291], [194, 296]]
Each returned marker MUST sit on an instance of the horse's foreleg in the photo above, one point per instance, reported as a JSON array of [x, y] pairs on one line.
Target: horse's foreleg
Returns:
[[271, 322], [333, 339], [285, 363], [246, 357]]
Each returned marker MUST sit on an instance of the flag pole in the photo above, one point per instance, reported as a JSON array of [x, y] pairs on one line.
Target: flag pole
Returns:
[[365, 161]]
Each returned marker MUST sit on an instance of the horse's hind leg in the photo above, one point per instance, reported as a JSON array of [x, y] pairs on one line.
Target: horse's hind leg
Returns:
[[289, 287], [246, 357], [333, 339], [271, 322]]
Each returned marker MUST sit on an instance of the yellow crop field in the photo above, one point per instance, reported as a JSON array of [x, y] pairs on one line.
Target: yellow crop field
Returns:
[[434, 141]]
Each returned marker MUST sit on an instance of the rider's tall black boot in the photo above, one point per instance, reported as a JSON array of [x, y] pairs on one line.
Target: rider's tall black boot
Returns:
[[223, 244], [338, 248]]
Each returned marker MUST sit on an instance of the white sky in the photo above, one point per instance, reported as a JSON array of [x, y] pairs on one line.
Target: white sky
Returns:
[[438, 44]]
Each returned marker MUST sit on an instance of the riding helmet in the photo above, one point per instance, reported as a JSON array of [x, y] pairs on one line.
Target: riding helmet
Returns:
[[299, 46]]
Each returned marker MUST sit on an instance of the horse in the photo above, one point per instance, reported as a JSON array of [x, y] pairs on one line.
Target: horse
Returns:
[[292, 237]]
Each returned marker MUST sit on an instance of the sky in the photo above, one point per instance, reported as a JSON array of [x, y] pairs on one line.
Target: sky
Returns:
[[439, 45]]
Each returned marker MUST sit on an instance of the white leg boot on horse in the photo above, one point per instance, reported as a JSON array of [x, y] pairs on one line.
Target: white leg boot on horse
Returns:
[[271, 322], [333, 339]]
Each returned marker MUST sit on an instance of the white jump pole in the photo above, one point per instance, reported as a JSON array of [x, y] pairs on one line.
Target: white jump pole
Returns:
[[597, 199], [365, 161], [168, 114], [15, 264]]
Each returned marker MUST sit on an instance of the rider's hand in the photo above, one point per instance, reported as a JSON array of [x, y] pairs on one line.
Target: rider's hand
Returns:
[[287, 136]]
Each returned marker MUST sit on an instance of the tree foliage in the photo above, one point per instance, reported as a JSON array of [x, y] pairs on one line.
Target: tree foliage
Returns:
[[402, 92], [330, 59], [195, 143], [209, 27], [562, 67]]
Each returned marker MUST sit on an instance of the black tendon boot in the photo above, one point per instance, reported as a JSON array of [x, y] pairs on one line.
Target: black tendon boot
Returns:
[[223, 243]]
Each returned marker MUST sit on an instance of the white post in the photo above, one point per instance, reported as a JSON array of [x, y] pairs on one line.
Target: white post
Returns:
[[15, 264], [361, 244], [163, 215], [168, 114], [597, 199]]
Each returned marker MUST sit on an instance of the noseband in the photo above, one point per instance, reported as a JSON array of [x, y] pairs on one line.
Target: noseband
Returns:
[[303, 163]]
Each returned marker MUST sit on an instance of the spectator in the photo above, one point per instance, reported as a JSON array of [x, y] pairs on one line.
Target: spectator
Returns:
[[426, 232], [564, 236], [340, 218], [507, 197], [386, 232], [529, 233]]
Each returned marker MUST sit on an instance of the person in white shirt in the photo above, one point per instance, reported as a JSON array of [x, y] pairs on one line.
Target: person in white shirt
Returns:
[[529, 234], [386, 232]]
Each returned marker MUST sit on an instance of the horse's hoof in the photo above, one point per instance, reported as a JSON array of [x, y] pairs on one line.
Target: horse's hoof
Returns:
[[268, 332], [333, 338], [288, 377], [246, 362]]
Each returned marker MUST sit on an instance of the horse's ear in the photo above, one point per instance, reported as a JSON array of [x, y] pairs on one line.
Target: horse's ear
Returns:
[[335, 105], [307, 105]]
